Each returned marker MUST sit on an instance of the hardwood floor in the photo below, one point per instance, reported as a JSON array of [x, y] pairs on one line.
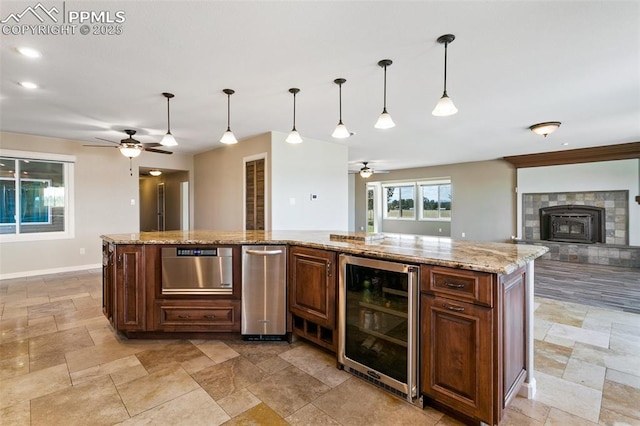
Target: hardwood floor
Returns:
[[595, 285]]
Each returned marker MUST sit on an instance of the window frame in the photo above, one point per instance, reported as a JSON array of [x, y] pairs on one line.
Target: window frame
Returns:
[[438, 183], [400, 184], [68, 171]]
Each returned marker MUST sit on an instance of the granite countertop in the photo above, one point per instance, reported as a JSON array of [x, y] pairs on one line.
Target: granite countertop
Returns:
[[500, 258]]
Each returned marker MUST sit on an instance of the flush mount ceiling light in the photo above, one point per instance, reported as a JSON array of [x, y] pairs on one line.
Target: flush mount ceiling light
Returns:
[[545, 128], [445, 106], [341, 131], [385, 121], [155, 172], [366, 171], [168, 139], [130, 150], [294, 136], [28, 85], [28, 52], [228, 137]]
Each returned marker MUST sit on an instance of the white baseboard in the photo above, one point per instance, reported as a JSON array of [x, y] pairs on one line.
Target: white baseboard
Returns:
[[26, 274]]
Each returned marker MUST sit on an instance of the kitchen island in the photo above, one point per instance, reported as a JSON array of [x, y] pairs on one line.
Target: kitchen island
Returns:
[[475, 303]]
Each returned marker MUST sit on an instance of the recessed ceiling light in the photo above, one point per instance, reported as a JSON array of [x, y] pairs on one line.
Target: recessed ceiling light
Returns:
[[565, 143], [28, 85], [28, 52]]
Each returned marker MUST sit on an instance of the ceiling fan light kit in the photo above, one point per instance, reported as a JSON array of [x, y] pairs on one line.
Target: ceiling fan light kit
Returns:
[[341, 131], [366, 171], [294, 136], [168, 139], [445, 106], [385, 121], [545, 128], [228, 137]]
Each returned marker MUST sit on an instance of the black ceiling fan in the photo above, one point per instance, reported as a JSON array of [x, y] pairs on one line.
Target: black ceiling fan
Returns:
[[367, 171], [132, 144]]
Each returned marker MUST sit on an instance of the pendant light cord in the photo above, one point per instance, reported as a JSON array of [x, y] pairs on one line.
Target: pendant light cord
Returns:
[[384, 106], [228, 112], [294, 111], [445, 68], [168, 117], [340, 86]]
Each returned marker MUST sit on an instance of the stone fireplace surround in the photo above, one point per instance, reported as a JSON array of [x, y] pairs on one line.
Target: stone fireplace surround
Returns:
[[615, 251]]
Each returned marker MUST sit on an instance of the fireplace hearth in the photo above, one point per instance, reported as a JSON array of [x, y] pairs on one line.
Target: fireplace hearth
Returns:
[[572, 223]]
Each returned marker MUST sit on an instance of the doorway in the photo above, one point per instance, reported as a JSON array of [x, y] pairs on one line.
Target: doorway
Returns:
[[374, 211], [254, 194]]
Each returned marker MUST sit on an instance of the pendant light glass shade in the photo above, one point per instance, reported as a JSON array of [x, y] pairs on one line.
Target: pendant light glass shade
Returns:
[[155, 172], [366, 173], [131, 150], [445, 106], [228, 137], [294, 136], [341, 131], [168, 139], [546, 128], [385, 121]]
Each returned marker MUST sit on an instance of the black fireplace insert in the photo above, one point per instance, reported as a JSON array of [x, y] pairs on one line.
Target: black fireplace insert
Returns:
[[573, 223]]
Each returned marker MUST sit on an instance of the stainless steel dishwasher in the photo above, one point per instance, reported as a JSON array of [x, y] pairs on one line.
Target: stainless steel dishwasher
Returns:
[[264, 295]]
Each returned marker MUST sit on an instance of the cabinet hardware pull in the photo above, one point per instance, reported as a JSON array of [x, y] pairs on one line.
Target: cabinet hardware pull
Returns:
[[183, 316], [210, 316], [454, 285], [264, 252], [329, 269], [452, 307]]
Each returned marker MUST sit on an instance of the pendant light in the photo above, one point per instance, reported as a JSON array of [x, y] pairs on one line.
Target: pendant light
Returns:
[[445, 106], [228, 136], [294, 136], [341, 131], [385, 121], [168, 139], [545, 128]]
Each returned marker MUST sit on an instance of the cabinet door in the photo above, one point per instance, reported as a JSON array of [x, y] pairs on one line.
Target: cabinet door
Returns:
[[456, 355], [130, 290], [108, 278], [312, 285]]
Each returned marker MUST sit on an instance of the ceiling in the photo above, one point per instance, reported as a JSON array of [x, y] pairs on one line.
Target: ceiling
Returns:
[[512, 64]]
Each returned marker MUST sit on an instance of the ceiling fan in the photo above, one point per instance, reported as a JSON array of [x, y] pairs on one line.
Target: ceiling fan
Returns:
[[130, 147], [367, 171]]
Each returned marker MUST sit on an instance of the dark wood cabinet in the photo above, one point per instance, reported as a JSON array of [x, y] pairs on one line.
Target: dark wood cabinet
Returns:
[[108, 280], [472, 340], [199, 315], [130, 288], [312, 295]]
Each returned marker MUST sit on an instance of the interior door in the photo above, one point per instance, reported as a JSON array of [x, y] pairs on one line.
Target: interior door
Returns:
[[254, 198], [160, 207]]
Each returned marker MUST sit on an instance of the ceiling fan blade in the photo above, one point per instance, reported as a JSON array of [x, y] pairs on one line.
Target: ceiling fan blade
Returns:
[[151, 144], [101, 146], [159, 151], [107, 140]]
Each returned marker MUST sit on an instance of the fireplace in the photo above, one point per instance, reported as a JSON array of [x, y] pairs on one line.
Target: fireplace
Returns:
[[573, 223]]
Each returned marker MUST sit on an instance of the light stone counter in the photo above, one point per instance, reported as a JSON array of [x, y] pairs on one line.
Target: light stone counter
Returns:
[[499, 258]]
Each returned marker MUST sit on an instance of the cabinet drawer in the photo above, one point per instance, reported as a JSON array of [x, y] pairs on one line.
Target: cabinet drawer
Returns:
[[459, 284], [199, 318]]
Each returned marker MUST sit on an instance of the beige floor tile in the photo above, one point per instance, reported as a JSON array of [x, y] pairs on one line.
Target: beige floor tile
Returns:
[[346, 405], [96, 402], [12, 367], [9, 313], [311, 415], [11, 323], [273, 365], [99, 354], [49, 349], [585, 374], [309, 359], [261, 414], [550, 358], [623, 362], [197, 364], [611, 418], [591, 337], [159, 358], [567, 396], [111, 368], [21, 302], [557, 312], [217, 351], [516, 418], [530, 408], [231, 376], [288, 390], [33, 385], [621, 399], [155, 389], [16, 415], [52, 308], [14, 349], [193, 408], [238, 402], [257, 352], [561, 418], [623, 378]]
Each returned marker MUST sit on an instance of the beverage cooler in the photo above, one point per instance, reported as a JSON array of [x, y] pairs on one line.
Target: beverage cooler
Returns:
[[378, 323]]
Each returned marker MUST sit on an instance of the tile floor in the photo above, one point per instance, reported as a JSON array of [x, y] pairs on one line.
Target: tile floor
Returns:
[[61, 364]]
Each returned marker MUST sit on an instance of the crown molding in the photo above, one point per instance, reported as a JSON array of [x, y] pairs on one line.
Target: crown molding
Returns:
[[573, 156]]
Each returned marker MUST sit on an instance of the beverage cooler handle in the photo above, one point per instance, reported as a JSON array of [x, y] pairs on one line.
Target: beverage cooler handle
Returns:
[[264, 252]]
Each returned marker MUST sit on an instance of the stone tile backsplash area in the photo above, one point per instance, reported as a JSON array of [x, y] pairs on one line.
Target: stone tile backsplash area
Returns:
[[615, 203], [616, 251]]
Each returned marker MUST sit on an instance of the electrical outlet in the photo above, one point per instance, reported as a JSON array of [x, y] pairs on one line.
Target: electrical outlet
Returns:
[[133, 201], [463, 235]]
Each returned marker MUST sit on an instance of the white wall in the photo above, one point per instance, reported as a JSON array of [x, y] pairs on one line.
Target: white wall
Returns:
[[103, 193], [297, 171], [600, 176]]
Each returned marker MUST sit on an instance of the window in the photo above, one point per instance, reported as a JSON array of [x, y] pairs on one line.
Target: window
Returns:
[[435, 199], [35, 196], [400, 201]]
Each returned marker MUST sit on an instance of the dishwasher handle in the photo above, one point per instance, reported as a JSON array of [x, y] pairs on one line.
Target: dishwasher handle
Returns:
[[264, 252]]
